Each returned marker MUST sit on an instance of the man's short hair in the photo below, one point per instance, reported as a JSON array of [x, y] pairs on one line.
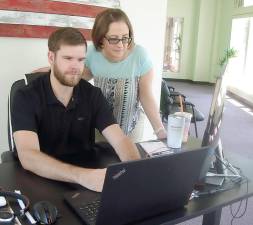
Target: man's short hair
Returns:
[[65, 36]]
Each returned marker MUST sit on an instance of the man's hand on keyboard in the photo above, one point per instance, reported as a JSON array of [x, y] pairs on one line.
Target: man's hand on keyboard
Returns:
[[93, 179]]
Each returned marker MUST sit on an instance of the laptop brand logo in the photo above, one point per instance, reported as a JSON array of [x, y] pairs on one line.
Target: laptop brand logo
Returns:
[[75, 195], [119, 174]]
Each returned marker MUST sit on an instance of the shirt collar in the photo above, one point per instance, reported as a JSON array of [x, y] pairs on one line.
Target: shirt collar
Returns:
[[75, 98], [51, 98]]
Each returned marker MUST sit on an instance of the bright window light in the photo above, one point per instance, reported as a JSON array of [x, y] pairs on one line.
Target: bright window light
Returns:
[[247, 3], [241, 67]]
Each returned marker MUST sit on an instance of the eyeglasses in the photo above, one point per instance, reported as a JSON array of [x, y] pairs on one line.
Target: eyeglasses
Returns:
[[114, 41]]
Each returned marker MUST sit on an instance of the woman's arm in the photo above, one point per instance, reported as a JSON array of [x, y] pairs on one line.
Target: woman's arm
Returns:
[[43, 69], [149, 104], [87, 75]]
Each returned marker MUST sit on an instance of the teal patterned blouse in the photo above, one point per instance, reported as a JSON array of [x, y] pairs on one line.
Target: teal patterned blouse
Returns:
[[119, 82]]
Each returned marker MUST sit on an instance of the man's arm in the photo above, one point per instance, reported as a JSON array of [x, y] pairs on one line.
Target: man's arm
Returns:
[[123, 146], [32, 159]]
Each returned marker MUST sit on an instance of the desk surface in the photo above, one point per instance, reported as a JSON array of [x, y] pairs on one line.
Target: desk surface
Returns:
[[12, 177]]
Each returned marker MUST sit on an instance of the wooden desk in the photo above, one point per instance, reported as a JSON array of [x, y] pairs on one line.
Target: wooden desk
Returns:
[[12, 177]]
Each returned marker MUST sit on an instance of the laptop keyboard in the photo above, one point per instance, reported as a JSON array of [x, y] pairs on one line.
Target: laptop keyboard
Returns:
[[89, 211]]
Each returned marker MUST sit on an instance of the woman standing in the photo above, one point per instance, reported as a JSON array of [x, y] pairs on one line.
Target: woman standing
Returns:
[[124, 73]]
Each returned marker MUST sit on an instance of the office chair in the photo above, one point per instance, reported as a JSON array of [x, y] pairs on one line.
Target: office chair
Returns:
[[29, 77], [170, 104], [12, 153]]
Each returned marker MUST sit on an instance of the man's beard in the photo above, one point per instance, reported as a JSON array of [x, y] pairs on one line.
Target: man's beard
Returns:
[[65, 80]]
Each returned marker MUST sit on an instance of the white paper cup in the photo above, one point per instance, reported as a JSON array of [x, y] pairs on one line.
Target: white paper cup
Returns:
[[188, 117], [175, 131]]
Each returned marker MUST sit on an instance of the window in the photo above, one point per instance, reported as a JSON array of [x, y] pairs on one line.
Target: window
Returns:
[[173, 44], [247, 3], [241, 67], [243, 3]]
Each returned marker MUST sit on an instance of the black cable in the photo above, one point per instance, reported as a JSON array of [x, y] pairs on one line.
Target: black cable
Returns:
[[234, 180], [228, 165], [235, 214]]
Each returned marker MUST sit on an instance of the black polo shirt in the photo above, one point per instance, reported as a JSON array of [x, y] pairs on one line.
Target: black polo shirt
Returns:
[[62, 131]]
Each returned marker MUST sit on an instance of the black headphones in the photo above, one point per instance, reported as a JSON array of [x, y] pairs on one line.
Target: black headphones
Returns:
[[18, 197]]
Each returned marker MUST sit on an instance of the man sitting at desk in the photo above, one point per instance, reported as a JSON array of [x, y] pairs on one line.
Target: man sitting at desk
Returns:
[[55, 116]]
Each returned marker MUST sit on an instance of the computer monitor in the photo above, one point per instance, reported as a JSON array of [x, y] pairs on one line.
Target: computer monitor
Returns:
[[212, 131]]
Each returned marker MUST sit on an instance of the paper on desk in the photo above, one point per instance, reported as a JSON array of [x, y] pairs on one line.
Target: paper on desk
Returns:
[[155, 148]]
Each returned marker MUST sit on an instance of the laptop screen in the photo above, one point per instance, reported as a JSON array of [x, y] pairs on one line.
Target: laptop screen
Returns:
[[144, 188]]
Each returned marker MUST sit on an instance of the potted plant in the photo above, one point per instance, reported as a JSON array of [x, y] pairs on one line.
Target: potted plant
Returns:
[[229, 53]]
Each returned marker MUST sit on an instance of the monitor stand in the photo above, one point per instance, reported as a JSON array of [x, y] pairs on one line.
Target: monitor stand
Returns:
[[214, 180], [221, 169]]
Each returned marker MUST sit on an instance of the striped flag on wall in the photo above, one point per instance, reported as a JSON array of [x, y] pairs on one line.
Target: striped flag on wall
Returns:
[[38, 18]]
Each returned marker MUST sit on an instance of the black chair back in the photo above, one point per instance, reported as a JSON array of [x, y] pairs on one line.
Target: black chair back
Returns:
[[28, 78], [15, 86], [169, 104]]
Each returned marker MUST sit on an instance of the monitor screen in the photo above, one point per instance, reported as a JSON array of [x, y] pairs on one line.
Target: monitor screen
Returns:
[[211, 134], [212, 131]]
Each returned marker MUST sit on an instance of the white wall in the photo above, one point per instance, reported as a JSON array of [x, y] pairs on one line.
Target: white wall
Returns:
[[20, 55], [189, 10], [205, 40], [149, 20], [17, 57], [206, 33]]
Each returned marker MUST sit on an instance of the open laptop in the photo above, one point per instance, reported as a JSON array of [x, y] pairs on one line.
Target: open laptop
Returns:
[[138, 189]]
